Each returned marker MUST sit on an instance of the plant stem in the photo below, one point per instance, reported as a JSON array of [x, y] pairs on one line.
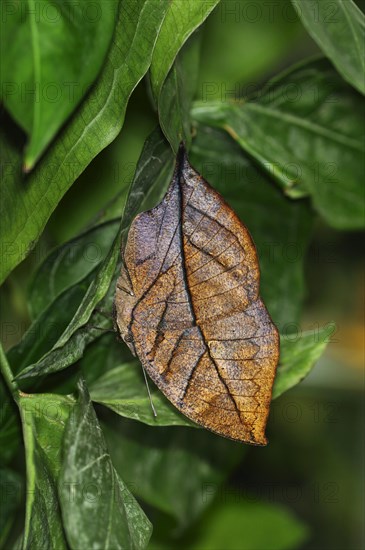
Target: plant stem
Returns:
[[8, 375]]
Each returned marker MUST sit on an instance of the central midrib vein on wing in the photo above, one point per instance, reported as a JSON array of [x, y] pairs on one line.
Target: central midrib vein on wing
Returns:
[[180, 182]]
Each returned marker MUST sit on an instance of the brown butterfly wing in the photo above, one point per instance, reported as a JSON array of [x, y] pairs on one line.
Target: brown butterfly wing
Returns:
[[188, 306]]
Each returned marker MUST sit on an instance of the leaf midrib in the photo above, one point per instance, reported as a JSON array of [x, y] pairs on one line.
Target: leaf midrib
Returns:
[[310, 126], [36, 65]]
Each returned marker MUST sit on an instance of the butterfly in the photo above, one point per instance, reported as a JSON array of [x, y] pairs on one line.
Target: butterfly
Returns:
[[188, 306]]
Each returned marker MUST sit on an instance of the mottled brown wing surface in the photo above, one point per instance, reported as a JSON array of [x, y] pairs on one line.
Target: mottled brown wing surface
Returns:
[[188, 306]]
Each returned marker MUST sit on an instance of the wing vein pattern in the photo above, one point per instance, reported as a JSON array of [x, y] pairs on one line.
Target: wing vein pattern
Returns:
[[188, 304]]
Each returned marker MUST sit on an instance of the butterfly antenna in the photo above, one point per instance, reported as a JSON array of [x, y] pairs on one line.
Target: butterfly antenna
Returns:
[[149, 393]]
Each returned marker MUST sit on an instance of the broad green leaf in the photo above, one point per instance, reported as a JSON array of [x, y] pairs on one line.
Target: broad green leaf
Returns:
[[338, 27], [54, 358], [123, 390], [11, 494], [178, 470], [243, 524], [43, 417], [175, 99], [183, 17], [69, 264], [175, 67], [95, 293], [45, 331], [98, 510], [96, 355], [43, 78], [280, 228], [304, 130], [58, 359], [11, 175], [151, 179], [298, 355], [28, 202]]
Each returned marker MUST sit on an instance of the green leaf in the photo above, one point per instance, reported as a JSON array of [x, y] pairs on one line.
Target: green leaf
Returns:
[[42, 79], [27, 203], [44, 417], [98, 510], [69, 264], [155, 461], [45, 331], [95, 293], [304, 130], [50, 357], [245, 525], [183, 17], [11, 175], [298, 355], [338, 27], [177, 93], [123, 390], [280, 228], [11, 493], [173, 83]]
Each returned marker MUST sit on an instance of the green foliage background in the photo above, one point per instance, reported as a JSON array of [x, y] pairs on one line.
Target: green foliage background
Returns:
[[268, 97]]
